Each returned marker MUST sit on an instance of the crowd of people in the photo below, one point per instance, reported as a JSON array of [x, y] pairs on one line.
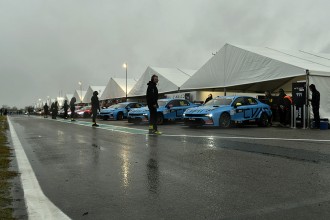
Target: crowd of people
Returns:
[[280, 106]]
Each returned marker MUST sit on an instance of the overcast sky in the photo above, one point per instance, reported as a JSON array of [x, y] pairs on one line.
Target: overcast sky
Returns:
[[47, 46]]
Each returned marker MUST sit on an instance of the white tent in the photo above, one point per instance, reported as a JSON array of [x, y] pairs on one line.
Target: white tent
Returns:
[[68, 97], [79, 95], [170, 80], [116, 88], [89, 93], [256, 69]]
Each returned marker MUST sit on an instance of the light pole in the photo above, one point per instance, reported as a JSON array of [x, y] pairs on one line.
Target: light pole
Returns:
[[80, 83], [125, 66]]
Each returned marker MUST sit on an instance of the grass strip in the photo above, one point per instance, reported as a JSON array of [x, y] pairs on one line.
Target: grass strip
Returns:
[[6, 211]]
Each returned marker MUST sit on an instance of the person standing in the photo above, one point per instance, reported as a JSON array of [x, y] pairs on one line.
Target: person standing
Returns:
[[46, 109], [269, 100], [65, 108], [152, 98], [95, 106], [72, 107], [209, 97], [54, 110], [315, 104], [284, 103]]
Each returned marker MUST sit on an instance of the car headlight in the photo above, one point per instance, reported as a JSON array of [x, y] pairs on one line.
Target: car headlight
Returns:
[[209, 115], [145, 114]]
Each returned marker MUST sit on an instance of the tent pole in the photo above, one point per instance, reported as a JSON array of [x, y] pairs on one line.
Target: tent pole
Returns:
[[307, 102], [225, 91]]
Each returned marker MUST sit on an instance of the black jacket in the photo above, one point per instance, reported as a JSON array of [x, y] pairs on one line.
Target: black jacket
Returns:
[[316, 99], [95, 103], [152, 94], [65, 106]]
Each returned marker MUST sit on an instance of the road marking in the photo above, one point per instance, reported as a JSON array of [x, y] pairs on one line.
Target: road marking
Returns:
[[145, 132], [247, 138], [38, 205]]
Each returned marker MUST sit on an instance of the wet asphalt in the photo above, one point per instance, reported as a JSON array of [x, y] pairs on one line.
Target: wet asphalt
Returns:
[[119, 172]]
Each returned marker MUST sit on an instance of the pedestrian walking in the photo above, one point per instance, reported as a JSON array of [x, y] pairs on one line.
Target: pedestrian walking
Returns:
[[73, 108], [46, 111], [54, 109], [315, 101], [65, 108], [209, 97], [152, 99], [269, 100], [95, 106]]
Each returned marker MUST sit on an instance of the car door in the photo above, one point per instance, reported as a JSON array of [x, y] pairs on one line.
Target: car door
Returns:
[[255, 109], [184, 104], [173, 107], [242, 110]]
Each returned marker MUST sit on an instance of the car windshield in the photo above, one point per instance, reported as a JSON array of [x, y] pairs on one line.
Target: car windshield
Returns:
[[120, 105], [162, 102], [219, 101], [86, 108]]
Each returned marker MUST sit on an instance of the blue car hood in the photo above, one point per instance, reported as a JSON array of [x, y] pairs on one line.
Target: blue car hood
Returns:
[[107, 110], [203, 109], [140, 110]]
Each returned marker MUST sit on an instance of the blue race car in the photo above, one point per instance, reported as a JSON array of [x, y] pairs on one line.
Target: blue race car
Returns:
[[222, 111], [118, 111], [169, 109]]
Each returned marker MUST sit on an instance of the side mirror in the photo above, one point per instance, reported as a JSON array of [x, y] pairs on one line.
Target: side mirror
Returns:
[[238, 104]]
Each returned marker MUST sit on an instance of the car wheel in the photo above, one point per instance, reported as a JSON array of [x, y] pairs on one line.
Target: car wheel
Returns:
[[160, 118], [263, 120], [225, 120], [120, 116]]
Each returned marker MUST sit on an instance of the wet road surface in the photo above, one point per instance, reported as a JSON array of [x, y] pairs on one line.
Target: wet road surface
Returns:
[[119, 172]]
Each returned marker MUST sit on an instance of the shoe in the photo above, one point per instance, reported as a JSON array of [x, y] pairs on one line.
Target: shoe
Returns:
[[157, 132], [73, 120], [95, 125]]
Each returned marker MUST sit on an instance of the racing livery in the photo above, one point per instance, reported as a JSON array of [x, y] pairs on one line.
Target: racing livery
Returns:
[[222, 111], [169, 109], [118, 111]]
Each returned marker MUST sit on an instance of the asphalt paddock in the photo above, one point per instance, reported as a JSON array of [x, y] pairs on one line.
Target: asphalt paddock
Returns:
[[118, 171]]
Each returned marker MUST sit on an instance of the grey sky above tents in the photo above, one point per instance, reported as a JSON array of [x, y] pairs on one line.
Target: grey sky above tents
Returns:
[[48, 46]]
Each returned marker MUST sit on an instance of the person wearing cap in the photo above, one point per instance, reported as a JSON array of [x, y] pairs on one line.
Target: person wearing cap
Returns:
[[95, 106], [315, 101], [269, 100], [152, 102], [284, 103]]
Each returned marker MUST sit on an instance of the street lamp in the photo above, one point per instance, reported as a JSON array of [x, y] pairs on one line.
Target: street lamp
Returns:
[[125, 66], [80, 83]]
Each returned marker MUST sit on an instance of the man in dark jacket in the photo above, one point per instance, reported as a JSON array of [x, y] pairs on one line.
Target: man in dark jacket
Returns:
[[95, 106], [315, 104], [73, 108], [209, 97], [65, 108], [46, 112], [152, 98]]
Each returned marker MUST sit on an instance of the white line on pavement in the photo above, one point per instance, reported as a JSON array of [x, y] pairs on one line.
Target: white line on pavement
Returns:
[[38, 205]]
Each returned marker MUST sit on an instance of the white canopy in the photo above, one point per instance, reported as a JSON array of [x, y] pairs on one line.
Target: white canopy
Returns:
[[89, 93], [256, 69], [116, 88], [79, 95], [169, 80], [68, 97]]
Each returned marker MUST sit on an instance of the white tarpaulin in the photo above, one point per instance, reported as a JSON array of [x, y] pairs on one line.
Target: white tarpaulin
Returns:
[[116, 88], [255, 69], [89, 93], [68, 97], [79, 95], [170, 80]]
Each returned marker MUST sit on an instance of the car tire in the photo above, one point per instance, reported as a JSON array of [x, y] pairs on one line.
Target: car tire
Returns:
[[263, 120], [160, 118], [120, 116], [225, 120]]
